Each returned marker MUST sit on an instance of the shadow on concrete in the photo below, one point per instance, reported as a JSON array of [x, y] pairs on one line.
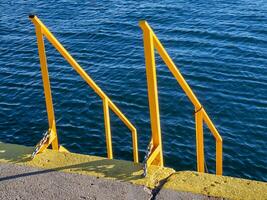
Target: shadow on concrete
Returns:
[[105, 168], [102, 167], [15, 153]]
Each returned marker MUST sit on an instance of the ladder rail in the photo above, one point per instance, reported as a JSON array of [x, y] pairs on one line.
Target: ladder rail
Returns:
[[107, 103], [200, 113]]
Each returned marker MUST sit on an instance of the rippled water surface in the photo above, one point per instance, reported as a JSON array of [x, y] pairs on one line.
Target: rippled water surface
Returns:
[[219, 46]]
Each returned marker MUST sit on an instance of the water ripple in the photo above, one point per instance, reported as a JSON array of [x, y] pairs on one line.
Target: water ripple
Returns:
[[219, 46]]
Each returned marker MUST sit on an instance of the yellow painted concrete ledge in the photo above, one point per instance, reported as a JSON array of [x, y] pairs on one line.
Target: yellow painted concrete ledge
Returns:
[[187, 181]]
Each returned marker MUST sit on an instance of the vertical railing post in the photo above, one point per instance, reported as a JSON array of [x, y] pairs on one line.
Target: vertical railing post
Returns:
[[152, 91], [107, 128], [219, 143], [135, 146], [46, 85], [219, 159], [199, 140], [41, 32]]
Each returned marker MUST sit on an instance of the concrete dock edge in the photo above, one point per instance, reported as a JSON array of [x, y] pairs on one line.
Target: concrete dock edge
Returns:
[[159, 180]]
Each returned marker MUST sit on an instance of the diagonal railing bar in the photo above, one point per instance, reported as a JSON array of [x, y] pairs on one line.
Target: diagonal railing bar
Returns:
[[42, 30], [151, 42]]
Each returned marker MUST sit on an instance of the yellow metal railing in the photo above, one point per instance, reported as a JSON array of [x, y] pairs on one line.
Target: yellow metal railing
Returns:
[[151, 42], [42, 30]]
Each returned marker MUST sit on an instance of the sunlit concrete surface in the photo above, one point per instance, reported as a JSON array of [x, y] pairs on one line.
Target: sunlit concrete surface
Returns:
[[116, 176]]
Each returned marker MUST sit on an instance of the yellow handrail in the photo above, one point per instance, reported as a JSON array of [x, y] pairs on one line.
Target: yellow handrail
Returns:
[[42, 30], [151, 42]]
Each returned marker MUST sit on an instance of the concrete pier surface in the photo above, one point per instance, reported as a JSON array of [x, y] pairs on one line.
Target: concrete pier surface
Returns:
[[23, 182], [56, 175]]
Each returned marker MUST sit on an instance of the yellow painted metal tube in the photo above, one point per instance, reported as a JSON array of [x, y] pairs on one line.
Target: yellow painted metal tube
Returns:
[[135, 146], [116, 110], [176, 73], [88, 80], [122, 117], [46, 145], [219, 143], [199, 141], [219, 157], [211, 126], [200, 112], [153, 155], [81, 72], [152, 92], [107, 128], [47, 89], [68, 57], [172, 67]]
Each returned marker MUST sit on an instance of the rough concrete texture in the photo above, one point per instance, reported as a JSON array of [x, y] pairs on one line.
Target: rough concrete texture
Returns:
[[84, 164], [166, 194], [25, 183], [20, 182], [158, 179], [220, 186]]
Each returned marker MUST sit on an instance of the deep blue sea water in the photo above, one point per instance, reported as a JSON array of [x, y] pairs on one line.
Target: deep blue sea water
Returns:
[[219, 46]]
